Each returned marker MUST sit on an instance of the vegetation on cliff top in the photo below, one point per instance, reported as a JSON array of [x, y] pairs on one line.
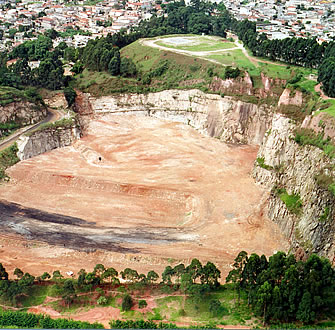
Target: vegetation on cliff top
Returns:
[[10, 95], [305, 136], [8, 157], [155, 71]]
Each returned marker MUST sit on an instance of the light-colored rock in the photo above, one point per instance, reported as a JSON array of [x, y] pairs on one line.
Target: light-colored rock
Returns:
[[295, 168], [56, 101], [45, 140], [287, 99], [22, 112], [213, 115]]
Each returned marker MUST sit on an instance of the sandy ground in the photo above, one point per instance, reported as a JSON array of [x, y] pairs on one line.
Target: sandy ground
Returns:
[[135, 192]]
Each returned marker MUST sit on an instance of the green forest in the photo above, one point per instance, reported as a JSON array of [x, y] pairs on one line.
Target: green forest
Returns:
[[278, 290], [199, 17]]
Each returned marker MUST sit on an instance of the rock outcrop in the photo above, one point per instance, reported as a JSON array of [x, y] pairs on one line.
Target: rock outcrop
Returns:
[[244, 85], [220, 117], [47, 139], [290, 98], [22, 112], [301, 171]]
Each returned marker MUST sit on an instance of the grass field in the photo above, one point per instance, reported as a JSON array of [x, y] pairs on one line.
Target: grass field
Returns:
[[233, 57], [181, 72], [197, 43], [178, 308], [236, 58], [331, 108]]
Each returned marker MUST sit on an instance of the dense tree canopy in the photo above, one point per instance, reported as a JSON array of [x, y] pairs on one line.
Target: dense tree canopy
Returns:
[[283, 289]]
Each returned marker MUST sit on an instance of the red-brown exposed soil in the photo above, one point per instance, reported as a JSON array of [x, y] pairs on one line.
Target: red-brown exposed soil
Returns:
[[135, 192]]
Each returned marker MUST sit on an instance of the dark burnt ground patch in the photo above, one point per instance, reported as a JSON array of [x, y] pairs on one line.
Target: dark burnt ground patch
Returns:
[[78, 234]]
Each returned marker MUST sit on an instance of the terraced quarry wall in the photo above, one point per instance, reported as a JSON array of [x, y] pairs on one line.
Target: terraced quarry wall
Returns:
[[286, 165], [240, 122], [224, 118], [221, 117]]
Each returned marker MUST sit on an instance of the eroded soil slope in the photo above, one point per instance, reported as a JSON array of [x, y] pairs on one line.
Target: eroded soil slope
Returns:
[[141, 189]]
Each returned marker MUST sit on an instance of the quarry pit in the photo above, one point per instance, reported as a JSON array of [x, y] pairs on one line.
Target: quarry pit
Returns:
[[135, 192]]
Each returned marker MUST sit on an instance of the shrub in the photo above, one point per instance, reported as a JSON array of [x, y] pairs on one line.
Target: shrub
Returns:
[[292, 202], [70, 95], [130, 324], [102, 300], [331, 188], [181, 312], [325, 215], [306, 136], [127, 303], [261, 163], [216, 308], [323, 180], [160, 70], [8, 157], [295, 79], [230, 72], [29, 320], [194, 68], [142, 304]]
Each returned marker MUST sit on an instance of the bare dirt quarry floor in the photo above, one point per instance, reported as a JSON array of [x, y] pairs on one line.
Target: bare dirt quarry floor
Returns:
[[135, 192]]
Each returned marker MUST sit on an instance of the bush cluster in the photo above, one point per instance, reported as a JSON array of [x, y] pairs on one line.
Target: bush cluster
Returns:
[[29, 320]]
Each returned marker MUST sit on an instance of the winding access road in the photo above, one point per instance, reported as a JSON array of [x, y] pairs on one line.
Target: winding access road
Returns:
[[52, 116]]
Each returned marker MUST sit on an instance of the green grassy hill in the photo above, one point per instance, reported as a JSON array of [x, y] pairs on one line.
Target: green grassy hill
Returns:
[[157, 70], [161, 69]]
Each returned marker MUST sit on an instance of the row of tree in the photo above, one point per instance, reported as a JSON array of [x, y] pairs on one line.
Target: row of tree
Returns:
[[186, 278], [298, 51], [282, 289]]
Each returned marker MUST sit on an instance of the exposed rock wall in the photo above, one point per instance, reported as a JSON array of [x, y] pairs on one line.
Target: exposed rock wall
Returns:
[[287, 99], [45, 140], [244, 85], [213, 115], [22, 112], [282, 163]]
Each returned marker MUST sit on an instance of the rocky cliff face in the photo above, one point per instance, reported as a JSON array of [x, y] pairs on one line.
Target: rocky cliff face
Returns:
[[22, 112], [45, 140], [301, 171], [213, 115], [244, 85]]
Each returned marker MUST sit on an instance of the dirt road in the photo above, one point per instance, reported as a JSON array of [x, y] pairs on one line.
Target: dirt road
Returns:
[[52, 116], [252, 59]]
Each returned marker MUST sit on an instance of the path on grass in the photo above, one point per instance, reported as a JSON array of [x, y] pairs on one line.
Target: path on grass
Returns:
[[318, 89], [152, 43], [239, 46], [255, 60], [52, 116]]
